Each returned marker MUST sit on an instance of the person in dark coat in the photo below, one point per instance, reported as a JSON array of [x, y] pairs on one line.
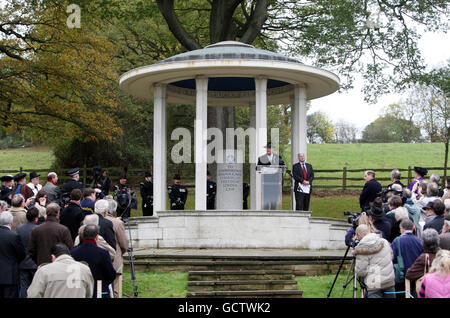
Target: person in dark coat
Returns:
[[104, 182], [246, 191], [6, 188], [211, 189], [430, 245], [97, 258], [72, 215], [12, 252], [45, 236], [146, 188], [74, 183], [106, 226], [88, 203], [410, 246], [378, 218], [27, 267], [370, 191], [177, 194], [395, 178], [303, 174], [437, 209]]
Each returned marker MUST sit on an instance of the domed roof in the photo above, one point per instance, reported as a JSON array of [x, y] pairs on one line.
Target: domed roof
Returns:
[[229, 50], [231, 68]]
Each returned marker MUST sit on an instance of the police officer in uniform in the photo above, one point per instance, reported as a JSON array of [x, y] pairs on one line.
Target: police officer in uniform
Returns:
[[177, 194], [71, 184], [147, 195], [211, 189], [246, 191], [6, 188]]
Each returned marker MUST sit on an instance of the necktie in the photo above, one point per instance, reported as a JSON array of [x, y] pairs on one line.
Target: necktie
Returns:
[[304, 172]]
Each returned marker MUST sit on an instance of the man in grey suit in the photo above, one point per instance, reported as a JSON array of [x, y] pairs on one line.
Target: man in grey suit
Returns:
[[52, 190], [303, 174], [272, 182]]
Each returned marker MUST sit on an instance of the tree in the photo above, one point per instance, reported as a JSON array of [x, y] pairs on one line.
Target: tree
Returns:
[[431, 97], [345, 133], [338, 34], [320, 128], [56, 81], [388, 128]]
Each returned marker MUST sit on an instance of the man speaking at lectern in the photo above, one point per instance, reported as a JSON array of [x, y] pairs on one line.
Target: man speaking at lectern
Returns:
[[303, 174], [272, 189]]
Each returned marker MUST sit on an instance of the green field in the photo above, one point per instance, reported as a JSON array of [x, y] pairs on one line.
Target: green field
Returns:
[[174, 285], [34, 158]]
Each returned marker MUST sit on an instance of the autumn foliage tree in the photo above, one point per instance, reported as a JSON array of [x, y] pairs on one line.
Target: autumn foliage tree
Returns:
[[56, 82]]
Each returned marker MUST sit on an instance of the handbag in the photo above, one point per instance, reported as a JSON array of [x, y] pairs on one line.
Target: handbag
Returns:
[[425, 271], [399, 268]]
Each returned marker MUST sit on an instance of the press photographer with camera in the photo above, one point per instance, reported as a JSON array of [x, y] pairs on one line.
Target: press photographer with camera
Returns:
[[374, 263], [378, 218], [357, 219]]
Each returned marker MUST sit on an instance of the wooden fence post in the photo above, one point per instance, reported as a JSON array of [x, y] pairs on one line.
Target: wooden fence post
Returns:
[[21, 169], [344, 178], [409, 175]]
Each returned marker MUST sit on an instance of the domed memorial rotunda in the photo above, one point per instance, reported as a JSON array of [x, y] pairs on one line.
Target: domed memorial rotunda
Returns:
[[228, 74]]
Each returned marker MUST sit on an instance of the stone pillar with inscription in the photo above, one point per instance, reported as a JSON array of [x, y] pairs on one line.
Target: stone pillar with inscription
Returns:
[[230, 180]]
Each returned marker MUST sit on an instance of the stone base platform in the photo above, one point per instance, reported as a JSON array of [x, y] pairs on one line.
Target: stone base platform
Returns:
[[301, 262], [247, 229]]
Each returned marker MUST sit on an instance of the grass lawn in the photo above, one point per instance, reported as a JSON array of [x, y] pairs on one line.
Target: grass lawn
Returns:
[[33, 158], [156, 285], [174, 285]]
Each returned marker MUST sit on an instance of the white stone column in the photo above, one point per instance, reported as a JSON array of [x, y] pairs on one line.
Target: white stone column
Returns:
[[252, 140], [261, 133], [298, 126], [159, 149], [200, 141]]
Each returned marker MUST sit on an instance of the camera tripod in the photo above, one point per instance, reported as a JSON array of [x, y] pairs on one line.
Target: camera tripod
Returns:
[[351, 276]]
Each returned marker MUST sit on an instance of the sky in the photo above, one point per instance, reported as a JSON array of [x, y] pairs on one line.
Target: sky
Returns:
[[351, 107]]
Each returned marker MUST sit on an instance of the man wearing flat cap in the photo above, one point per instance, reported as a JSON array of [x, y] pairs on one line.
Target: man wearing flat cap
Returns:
[[177, 194], [6, 188], [21, 187], [34, 184], [419, 174], [146, 188], [74, 183]]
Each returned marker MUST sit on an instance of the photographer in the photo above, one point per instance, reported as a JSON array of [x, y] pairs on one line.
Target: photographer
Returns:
[[395, 178], [356, 221], [125, 198], [378, 218], [374, 263]]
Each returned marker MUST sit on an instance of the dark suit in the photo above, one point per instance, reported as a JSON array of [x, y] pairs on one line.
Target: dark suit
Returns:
[[107, 231], [302, 199], [276, 161], [12, 252], [369, 193], [27, 267], [99, 262], [71, 217]]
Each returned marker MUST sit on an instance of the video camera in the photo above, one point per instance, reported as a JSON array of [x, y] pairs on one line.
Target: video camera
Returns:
[[353, 218], [383, 194], [126, 200]]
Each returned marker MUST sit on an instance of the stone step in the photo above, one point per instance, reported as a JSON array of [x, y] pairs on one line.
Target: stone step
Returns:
[[247, 294], [241, 275], [202, 286]]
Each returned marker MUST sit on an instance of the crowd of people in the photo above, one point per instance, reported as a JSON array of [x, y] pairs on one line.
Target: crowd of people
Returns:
[[61, 241], [401, 239]]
